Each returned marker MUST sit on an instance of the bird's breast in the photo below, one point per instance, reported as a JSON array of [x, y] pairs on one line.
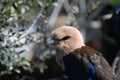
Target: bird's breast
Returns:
[[74, 69]]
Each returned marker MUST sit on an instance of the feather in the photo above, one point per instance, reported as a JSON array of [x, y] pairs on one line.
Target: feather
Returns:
[[102, 69], [79, 61]]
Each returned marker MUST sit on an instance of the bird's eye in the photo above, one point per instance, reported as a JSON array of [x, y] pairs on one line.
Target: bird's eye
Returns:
[[66, 37]]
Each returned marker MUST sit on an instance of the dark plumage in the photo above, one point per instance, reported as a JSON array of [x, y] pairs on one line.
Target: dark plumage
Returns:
[[77, 60], [114, 26]]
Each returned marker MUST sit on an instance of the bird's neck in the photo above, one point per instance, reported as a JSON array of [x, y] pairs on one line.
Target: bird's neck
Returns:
[[70, 48]]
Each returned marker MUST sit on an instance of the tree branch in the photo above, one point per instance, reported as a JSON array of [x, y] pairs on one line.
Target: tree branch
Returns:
[[54, 15], [31, 29]]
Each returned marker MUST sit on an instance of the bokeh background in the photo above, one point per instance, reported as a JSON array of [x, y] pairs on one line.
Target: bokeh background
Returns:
[[25, 27]]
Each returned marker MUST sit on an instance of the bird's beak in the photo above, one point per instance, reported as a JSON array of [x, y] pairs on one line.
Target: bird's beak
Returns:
[[53, 42]]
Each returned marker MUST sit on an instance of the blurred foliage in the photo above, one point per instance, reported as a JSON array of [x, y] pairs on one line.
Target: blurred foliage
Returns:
[[114, 2], [13, 25]]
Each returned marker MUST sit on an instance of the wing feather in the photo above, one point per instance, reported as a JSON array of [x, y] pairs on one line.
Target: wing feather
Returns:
[[102, 68]]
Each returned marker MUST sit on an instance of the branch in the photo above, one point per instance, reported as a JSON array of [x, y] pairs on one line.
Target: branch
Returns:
[[97, 11], [68, 9], [31, 30], [116, 66], [54, 15]]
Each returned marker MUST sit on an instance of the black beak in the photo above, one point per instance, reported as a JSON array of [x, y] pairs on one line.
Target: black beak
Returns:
[[53, 42]]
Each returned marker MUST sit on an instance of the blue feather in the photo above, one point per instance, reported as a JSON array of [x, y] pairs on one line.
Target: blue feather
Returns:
[[75, 71], [91, 68]]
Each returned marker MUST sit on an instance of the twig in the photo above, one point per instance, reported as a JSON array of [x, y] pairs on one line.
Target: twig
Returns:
[[97, 11], [31, 29], [116, 66], [82, 5], [54, 15], [68, 8]]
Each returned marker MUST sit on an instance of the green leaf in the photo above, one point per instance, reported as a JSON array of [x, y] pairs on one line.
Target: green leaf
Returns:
[[114, 2], [17, 70]]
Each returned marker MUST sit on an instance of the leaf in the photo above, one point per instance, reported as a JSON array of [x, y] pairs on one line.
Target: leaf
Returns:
[[114, 2], [42, 67], [24, 62], [17, 70]]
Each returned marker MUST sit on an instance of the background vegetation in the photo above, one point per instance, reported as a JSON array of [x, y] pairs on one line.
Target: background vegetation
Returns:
[[25, 22]]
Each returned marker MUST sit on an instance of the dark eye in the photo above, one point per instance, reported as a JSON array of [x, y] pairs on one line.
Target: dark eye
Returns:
[[66, 37]]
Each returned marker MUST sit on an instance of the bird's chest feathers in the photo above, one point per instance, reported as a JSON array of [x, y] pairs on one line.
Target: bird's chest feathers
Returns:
[[75, 67], [72, 64]]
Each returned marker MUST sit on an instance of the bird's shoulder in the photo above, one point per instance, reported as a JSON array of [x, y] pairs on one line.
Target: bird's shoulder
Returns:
[[102, 68], [85, 50]]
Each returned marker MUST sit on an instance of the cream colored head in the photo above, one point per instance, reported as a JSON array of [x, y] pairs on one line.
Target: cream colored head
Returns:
[[67, 38]]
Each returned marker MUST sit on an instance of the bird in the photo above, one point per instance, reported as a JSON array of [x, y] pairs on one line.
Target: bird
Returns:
[[78, 61]]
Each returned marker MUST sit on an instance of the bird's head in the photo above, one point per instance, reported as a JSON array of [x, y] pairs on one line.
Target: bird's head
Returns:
[[67, 38]]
